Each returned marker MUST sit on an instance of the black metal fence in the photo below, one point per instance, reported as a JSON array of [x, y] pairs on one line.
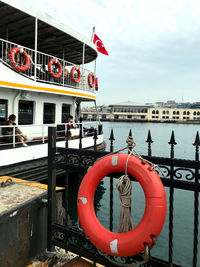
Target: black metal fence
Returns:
[[179, 174]]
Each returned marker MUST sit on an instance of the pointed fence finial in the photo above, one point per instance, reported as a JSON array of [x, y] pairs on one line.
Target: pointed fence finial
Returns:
[[111, 136], [172, 139], [197, 141], [149, 139], [130, 133], [111, 140]]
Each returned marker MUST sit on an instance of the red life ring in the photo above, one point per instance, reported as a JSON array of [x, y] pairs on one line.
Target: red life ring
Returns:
[[96, 84], [134, 241], [91, 84], [50, 68], [72, 74], [13, 62]]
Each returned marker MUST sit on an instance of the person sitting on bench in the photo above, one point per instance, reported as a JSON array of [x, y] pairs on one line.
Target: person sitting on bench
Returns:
[[8, 131]]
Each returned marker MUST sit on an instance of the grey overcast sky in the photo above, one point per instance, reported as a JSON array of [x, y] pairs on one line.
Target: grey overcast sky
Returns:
[[153, 46]]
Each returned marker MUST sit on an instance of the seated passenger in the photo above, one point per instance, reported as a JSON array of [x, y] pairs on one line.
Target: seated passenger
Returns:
[[70, 125], [69, 122], [8, 131]]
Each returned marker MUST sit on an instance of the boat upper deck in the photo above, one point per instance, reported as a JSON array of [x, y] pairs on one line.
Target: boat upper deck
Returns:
[[36, 46], [25, 25]]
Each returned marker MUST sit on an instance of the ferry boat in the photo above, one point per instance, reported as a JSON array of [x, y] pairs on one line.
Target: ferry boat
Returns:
[[44, 78]]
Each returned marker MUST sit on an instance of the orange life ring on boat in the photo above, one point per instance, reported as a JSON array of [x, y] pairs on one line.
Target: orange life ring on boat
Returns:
[[72, 74], [50, 68], [13, 62], [96, 84], [91, 83], [134, 241]]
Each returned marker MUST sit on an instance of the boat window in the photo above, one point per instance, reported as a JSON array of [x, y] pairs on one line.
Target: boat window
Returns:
[[3, 110], [65, 112], [49, 113], [25, 112], [85, 116], [94, 117]]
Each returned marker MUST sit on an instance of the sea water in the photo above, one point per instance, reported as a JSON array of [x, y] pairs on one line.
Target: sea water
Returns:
[[183, 200]]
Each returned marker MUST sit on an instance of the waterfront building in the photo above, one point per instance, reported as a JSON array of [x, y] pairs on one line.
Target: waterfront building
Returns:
[[159, 112]]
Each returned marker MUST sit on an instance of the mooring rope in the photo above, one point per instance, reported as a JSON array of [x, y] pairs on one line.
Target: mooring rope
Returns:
[[124, 187]]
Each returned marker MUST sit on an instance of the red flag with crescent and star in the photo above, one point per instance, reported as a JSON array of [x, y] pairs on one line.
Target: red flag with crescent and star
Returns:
[[100, 46]]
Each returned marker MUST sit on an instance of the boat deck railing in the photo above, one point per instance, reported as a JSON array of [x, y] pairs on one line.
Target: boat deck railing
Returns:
[[39, 133], [38, 70]]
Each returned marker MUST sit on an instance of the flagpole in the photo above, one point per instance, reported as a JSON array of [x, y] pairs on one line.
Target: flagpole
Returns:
[[93, 31], [95, 103]]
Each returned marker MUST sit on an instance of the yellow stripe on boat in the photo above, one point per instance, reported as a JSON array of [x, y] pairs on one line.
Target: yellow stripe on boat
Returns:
[[46, 89]]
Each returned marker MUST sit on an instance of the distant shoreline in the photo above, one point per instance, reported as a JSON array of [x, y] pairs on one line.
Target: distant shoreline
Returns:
[[151, 121]]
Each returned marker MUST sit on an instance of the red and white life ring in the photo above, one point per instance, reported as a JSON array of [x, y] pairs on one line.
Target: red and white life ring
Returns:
[[50, 68], [134, 241], [13, 62], [96, 84], [72, 74], [91, 83]]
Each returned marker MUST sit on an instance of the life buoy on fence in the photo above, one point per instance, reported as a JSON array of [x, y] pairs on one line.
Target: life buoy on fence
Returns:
[[91, 77], [50, 68], [15, 64], [134, 241], [72, 74], [96, 84]]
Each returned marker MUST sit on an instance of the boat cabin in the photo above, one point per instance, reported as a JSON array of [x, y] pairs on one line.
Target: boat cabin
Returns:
[[44, 76]]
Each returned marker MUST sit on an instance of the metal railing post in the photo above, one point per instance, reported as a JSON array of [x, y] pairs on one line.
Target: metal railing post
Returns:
[[172, 142], [36, 35], [14, 136], [111, 183], [196, 204], [43, 134], [51, 183], [80, 137], [66, 136]]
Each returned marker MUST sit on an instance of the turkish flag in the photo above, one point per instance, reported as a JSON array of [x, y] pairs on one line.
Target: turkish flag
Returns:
[[100, 46]]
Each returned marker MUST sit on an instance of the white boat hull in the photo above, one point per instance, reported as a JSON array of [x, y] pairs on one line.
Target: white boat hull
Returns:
[[22, 154]]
